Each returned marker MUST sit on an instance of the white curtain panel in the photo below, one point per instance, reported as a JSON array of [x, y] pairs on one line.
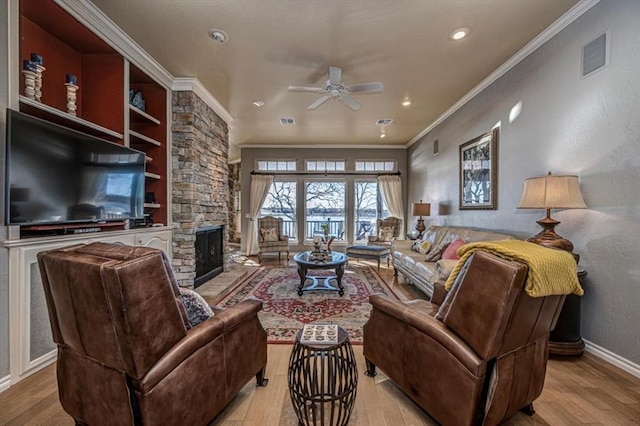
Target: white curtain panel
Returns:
[[391, 190], [260, 185]]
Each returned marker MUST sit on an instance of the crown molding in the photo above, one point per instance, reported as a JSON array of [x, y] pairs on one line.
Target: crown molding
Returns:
[[182, 84], [561, 23], [92, 17]]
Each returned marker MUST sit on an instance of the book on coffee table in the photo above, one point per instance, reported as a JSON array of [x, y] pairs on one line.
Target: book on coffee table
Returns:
[[319, 333]]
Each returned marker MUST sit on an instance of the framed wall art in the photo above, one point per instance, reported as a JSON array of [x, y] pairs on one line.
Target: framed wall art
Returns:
[[479, 172]]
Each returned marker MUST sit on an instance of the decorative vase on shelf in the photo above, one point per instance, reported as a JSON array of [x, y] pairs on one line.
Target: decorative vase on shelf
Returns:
[[39, 63], [30, 71], [72, 88]]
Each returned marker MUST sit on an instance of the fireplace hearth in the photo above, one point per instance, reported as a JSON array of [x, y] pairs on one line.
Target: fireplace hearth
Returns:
[[209, 253]]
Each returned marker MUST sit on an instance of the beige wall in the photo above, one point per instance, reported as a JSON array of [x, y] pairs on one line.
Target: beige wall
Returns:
[[568, 125]]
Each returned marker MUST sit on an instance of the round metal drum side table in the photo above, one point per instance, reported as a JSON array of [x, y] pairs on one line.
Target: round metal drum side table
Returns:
[[323, 380]]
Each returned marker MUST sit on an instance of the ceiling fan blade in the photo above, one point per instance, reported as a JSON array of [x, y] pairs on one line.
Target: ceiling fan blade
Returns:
[[319, 102], [349, 101], [335, 76], [364, 88], [305, 89]]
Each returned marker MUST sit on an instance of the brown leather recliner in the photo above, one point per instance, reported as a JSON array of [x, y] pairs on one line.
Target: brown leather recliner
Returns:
[[126, 351], [479, 357]]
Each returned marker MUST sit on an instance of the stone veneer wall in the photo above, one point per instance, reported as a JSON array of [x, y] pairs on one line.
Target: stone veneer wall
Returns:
[[200, 173], [234, 201]]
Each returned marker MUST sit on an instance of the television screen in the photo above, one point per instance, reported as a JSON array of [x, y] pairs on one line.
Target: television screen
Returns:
[[58, 175]]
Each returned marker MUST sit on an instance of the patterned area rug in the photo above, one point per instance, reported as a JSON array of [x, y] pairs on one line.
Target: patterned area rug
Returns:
[[284, 312]]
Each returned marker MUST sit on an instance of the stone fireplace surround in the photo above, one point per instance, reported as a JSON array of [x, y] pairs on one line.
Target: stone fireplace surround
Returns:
[[200, 180]]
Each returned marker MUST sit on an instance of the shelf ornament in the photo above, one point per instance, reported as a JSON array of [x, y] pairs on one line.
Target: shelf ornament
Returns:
[[72, 88], [38, 60]]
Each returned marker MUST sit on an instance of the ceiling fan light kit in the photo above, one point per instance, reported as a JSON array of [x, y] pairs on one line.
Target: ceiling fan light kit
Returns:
[[334, 89]]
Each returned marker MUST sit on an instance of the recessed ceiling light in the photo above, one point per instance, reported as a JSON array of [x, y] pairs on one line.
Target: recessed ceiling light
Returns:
[[258, 102], [383, 135], [459, 34], [218, 35], [406, 103]]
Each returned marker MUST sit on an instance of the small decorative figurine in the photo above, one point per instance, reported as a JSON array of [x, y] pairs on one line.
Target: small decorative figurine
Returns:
[[136, 99], [39, 62], [29, 70], [71, 93]]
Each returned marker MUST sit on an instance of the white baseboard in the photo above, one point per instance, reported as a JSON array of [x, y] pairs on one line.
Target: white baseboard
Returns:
[[611, 358], [5, 382]]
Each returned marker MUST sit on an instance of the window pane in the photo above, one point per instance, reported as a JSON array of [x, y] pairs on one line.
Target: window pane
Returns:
[[262, 165], [340, 166], [325, 205], [281, 202], [359, 166], [366, 209]]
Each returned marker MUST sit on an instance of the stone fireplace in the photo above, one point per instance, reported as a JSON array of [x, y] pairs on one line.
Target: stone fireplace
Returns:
[[200, 176]]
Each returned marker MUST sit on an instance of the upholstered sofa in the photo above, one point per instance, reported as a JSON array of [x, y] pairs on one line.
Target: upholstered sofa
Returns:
[[424, 274]]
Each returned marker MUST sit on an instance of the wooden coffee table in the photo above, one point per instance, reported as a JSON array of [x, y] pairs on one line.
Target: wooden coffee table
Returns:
[[336, 261]]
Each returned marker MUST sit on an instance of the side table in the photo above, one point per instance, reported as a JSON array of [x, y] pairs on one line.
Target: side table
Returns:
[[323, 380], [565, 339]]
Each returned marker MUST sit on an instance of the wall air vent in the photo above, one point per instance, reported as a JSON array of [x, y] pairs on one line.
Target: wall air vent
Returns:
[[287, 121], [595, 55], [384, 121]]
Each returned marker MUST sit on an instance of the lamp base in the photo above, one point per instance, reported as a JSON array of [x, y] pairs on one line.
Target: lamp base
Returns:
[[420, 228], [548, 237]]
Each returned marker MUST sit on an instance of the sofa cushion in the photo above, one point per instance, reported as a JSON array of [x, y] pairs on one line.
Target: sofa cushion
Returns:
[[197, 308], [421, 246], [451, 251], [385, 233], [269, 234], [436, 252]]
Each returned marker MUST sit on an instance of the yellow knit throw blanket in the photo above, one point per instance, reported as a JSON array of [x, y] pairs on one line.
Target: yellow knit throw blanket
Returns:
[[551, 272]]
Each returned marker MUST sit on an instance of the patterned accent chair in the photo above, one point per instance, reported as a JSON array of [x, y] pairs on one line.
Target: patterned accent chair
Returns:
[[281, 244], [127, 352], [379, 239]]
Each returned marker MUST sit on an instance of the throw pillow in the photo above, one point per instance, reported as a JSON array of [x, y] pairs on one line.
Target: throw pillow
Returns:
[[197, 308], [436, 252], [269, 234], [386, 233], [421, 246], [452, 251]]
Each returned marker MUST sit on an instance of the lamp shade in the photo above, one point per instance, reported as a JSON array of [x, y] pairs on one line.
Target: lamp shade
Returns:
[[421, 209], [551, 192]]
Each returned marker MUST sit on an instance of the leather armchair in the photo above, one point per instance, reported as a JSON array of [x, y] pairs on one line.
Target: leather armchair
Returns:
[[476, 359], [126, 351], [282, 243]]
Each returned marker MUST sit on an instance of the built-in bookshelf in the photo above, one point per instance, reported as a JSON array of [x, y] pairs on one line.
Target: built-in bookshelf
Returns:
[[105, 78]]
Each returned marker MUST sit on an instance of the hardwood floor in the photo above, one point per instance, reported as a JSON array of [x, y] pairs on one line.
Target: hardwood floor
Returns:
[[578, 391]]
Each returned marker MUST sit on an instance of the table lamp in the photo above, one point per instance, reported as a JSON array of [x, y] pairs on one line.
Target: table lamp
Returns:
[[551, 192], [420, 209]]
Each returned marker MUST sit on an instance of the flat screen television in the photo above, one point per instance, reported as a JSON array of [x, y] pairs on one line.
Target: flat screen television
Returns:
[[56, 175]]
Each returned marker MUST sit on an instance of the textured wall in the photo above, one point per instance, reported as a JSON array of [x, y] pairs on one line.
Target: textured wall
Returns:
[[200, 176], [568, 125]]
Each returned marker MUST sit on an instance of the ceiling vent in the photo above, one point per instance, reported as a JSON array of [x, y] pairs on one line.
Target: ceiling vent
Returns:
[[594, 55], [287, 121], [384, 121]]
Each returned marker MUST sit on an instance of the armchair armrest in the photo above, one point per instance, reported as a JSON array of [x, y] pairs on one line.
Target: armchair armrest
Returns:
[[372, 238], [432, 328], [439, 293], [284, 238], [199, 336]]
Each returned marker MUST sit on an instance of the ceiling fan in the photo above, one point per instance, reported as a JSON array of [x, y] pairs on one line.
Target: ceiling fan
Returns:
[[334, 89]]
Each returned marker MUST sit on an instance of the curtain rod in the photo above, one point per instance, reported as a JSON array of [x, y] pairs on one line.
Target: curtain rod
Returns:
[[325, 173]]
